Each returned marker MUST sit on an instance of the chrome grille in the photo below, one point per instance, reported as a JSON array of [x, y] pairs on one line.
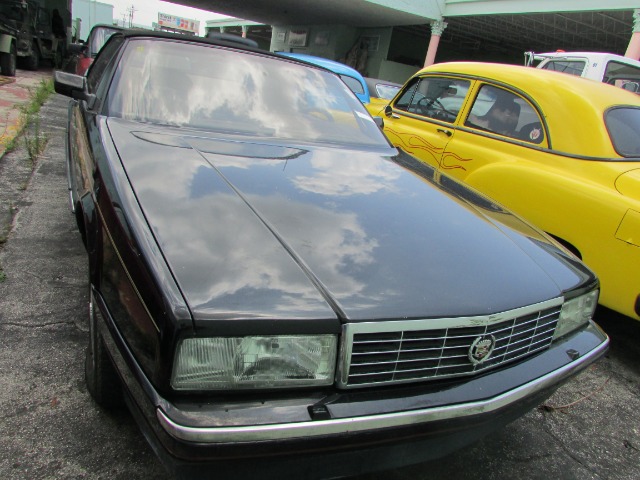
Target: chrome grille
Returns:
[[410, 351]]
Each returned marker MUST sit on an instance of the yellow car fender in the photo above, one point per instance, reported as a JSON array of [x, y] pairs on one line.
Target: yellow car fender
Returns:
[[588, 221], [547, 202]]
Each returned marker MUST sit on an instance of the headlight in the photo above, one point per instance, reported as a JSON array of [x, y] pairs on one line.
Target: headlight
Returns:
[[576, 312], [254, 362]]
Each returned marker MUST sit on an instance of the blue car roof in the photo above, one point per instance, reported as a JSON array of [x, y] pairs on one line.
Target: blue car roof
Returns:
[[336, 67]]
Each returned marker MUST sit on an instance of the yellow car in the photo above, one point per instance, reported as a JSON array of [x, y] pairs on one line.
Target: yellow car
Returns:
[[561, 151], [380, 92]]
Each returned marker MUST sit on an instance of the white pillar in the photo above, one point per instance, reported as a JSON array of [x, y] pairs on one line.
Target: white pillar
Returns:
[[633, 50], [437, 28]]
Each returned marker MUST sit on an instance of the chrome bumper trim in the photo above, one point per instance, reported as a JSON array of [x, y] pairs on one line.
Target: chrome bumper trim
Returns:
[[286, 431]]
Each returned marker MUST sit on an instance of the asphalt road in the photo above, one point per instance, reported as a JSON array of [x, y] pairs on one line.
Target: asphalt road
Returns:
[[51, 429]]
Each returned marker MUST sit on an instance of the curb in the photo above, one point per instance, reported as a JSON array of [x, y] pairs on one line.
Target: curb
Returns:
[[14, 93]]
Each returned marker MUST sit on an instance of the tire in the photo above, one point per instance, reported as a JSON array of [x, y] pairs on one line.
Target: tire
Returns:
[[8, 62], [33, 62], [100, 375]]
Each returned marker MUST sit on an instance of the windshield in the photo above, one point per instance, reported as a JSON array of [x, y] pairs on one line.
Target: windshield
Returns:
[[387, 91], [205, 87], [99, 37], [572, 67], [623, 75], [354, 84]]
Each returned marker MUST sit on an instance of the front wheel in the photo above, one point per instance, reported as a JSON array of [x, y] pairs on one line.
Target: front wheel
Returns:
[[100, 375], [8, 62]]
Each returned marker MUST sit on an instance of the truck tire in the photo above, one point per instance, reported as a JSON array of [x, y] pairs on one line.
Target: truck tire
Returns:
[[8, 62], [33, 62]]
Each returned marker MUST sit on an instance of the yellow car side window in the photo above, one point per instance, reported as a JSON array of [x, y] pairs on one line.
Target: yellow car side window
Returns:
[[439, 98], [500, 111]]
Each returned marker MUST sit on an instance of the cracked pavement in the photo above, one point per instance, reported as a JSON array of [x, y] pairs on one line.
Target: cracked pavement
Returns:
[[51, 429]]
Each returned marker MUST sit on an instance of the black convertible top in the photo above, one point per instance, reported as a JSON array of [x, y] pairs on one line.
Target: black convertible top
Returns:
[[218, 39]]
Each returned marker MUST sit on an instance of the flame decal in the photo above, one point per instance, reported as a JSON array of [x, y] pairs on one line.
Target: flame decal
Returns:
[[412, 143], [454, 158]]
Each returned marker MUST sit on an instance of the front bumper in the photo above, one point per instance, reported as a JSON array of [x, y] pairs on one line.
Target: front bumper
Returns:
[[321, 434], [353, 425]]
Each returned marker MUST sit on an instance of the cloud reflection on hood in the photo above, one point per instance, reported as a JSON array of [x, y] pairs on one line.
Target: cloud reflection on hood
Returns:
[[243, 258]]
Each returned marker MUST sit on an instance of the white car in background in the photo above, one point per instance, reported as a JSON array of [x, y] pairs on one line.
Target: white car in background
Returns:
[[609, 68]]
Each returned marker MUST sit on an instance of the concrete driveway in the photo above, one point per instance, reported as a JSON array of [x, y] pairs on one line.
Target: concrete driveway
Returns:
[[51, 429]]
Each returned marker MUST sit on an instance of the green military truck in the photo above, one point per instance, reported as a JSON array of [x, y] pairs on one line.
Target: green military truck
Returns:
[[8, 53], [8, 43], [26, 35]]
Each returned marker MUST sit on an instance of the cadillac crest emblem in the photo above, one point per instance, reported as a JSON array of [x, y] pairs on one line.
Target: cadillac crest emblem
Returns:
[[481, 349]]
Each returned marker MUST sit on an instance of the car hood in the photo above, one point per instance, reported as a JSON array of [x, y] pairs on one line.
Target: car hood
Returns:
[[253, 230], [628, 184]]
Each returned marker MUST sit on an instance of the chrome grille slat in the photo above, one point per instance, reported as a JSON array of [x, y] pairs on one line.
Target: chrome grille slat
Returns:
[[419, 350]]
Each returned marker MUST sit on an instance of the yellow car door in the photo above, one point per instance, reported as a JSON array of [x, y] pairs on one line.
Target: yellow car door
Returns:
[[500, 125], [421, 121]]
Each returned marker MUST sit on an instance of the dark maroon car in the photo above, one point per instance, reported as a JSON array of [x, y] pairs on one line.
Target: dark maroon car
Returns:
[[277, 292], [81, 55]]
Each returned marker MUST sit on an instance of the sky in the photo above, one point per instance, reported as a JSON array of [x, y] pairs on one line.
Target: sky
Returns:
[[146, 12]]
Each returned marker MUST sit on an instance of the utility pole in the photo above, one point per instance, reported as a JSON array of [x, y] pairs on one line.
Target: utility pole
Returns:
[[130, 11]]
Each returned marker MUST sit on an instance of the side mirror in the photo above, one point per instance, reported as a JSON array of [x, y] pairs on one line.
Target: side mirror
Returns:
[[74, 86], [379, 122], [388, 111], [632, 87]]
